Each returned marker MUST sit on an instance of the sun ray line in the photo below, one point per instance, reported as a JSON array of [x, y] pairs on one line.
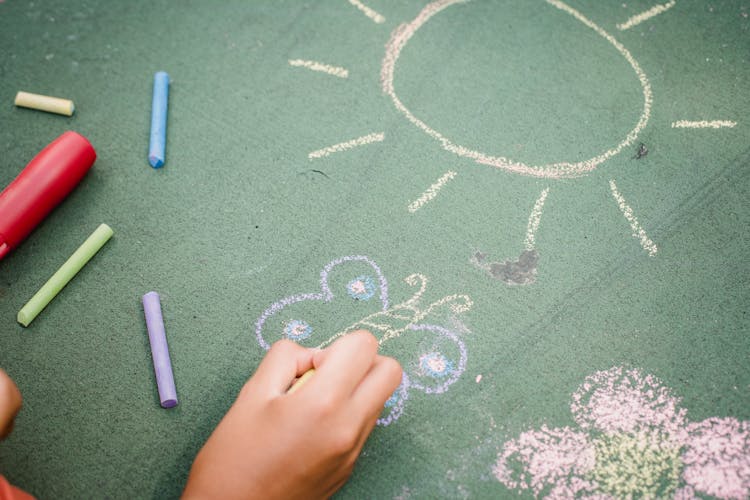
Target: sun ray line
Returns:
[[638, 232], [704, 124], [318, 66], [343, 146], [534, 218], [646, 15], [376, 17], [431, 192]]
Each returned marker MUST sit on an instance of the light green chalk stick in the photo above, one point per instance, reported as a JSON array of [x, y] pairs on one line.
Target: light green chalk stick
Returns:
[[63, 275]]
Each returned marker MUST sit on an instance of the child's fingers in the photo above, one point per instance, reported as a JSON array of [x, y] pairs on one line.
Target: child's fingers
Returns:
[[284, 362], [341, 367], [370, 404], [376, 387], [10, 403]]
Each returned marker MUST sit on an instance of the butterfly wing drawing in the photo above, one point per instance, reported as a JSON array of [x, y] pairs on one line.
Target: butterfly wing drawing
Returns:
[[353, 295], [350, 287], [432, 357]]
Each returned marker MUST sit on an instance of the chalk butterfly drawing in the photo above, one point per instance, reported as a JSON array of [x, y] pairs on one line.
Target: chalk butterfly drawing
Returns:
[[632, 440], [354, 295]]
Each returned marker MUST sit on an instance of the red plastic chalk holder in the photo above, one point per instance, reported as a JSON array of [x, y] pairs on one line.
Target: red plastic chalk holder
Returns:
[[41, 186]]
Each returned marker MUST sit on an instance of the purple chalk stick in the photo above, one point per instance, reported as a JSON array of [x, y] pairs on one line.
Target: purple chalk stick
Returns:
[[159, 350]]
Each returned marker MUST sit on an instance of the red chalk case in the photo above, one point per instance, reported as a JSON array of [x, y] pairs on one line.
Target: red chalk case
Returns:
[[41, 186]]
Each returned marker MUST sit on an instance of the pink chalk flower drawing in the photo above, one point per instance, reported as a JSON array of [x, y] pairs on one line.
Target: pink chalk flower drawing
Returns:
[[632, 441], [353, 295]]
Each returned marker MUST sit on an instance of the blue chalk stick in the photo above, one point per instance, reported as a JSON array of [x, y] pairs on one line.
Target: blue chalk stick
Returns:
[[157, 145]]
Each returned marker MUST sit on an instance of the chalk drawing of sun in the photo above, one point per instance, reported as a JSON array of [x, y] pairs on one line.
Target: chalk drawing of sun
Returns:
[[523, 270]]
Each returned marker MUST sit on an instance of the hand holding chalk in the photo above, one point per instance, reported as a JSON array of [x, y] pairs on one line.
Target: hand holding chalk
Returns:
[[301, 381], [277, 442]]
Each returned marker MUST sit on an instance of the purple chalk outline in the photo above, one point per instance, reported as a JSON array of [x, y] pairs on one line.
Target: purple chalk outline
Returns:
[[406, 383], [439, 330], [325, 294], [398, 408]]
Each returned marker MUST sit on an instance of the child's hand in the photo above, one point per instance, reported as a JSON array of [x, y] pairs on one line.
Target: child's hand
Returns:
[[10, 404], [300, 445]]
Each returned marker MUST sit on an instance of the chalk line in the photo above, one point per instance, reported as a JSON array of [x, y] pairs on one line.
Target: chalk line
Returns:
[[393, 321], [343, 146], [431, 192], [534, 218], [704, 124], [368, 11], [644, 16], [443, 357], [403, 33], [638, 231], [323, 68]]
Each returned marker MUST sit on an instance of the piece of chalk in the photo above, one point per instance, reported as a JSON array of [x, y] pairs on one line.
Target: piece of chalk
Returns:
[[45, 103], [157, 144], [63, 275], [301, 381], [159, 350], [41, 186]]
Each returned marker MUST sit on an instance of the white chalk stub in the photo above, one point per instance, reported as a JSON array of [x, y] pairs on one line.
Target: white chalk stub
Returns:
[[45, 103]]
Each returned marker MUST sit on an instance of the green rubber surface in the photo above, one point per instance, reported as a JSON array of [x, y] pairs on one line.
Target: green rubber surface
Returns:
[[240, 217]]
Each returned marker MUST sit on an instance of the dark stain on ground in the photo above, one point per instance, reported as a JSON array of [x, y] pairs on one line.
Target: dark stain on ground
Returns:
[[642, 151], [519, 272]]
